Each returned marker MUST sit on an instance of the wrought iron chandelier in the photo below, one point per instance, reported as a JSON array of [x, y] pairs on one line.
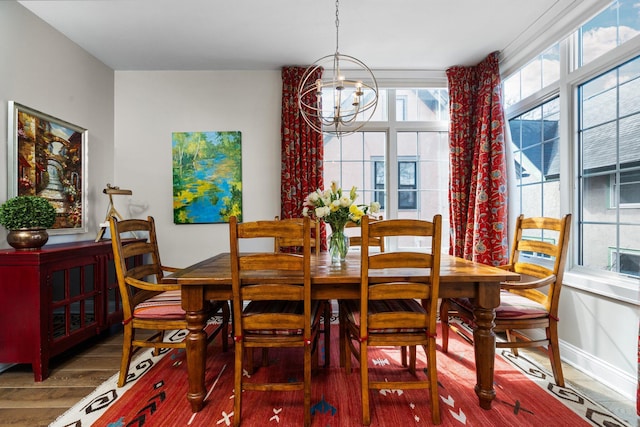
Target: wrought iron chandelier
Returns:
[[353, 99]]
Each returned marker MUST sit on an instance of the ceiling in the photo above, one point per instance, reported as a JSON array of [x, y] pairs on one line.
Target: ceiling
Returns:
[[265, 35]]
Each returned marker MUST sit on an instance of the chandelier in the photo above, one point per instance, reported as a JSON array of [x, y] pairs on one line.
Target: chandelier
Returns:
[[352, 99]]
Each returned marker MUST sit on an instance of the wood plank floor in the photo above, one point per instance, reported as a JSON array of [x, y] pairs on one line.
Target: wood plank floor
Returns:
[[73, 375]]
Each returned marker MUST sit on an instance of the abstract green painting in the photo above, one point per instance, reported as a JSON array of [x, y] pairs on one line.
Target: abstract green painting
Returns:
[[207, 177]]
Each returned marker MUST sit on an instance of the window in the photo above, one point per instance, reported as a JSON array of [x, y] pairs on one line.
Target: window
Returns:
[[399, 159], [600, 147], [609, 168]]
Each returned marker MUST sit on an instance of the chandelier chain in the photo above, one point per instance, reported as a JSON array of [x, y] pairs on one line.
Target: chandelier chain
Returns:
[[337, 24]]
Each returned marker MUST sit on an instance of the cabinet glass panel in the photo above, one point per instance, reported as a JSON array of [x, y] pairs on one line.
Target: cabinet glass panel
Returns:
[[75, 281], [89, 281], [59, 322], [57, 286]]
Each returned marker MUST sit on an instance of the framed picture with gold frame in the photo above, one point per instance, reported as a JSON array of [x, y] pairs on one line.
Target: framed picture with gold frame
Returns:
[[48, 158]]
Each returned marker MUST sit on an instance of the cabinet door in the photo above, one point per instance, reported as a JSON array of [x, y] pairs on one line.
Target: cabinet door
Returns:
[[113, 303], [76, 302]]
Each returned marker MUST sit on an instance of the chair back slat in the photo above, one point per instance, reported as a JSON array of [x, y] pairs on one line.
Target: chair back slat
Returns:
[[355, 239], [287, 241]]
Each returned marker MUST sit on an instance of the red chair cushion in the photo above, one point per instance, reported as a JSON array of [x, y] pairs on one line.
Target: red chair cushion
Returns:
[[512, 306], [166, 305]]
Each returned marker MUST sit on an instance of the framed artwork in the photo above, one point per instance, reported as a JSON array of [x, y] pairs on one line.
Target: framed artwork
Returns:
[[48, 158], [207, 177]]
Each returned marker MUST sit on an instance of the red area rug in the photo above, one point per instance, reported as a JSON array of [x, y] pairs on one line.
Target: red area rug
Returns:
[[525, 395]]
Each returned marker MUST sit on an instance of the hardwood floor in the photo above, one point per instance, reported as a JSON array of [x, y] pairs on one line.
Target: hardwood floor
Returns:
[[78, 372], [73, 375]]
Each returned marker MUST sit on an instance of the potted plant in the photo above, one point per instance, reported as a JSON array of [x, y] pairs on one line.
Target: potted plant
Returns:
[[27, 219]]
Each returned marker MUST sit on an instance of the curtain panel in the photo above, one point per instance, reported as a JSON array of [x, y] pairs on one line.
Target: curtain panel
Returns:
[[302, 153], [478, 172]]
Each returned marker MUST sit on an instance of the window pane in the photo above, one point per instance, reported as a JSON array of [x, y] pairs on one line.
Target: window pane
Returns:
[[422, 104], [538, 73], [610, 28], [535, 139], [599, 101]]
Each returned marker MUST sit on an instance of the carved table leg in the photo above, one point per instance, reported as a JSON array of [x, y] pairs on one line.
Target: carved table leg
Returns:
[[196, 342], [485, 341]]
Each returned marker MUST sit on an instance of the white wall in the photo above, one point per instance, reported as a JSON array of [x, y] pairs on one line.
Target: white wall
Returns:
[[150, 105], [43, 70]]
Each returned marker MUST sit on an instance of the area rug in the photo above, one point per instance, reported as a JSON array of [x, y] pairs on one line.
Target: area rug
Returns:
[[156, 394]]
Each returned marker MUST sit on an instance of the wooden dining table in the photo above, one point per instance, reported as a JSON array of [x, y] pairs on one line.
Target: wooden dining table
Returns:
[[211, 280]]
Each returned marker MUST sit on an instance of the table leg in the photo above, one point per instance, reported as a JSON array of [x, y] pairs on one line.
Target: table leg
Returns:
[[196, 342], [484, 341]]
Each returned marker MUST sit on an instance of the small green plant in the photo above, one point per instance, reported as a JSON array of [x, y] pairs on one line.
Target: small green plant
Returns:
[[27, 212]]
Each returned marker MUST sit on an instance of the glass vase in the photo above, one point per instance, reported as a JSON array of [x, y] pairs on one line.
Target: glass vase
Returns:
[[338, 246]]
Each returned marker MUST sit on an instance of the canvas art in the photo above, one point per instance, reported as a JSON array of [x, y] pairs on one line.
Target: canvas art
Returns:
[[207, 177], [47, 158]]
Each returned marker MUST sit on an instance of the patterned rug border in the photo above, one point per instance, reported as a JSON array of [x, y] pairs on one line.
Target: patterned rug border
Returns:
[[90, 408]]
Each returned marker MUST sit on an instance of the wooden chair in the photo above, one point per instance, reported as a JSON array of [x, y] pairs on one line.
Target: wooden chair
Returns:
[[289, 242], [525, 305], [389, 313], [273, 312], [147, 303], [355, 239]]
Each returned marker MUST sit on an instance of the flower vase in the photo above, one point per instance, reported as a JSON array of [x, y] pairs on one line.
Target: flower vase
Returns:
[[338, 246]]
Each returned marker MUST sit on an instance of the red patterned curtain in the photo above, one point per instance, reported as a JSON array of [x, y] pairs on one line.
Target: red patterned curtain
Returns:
[[478, 172], [302, 150]]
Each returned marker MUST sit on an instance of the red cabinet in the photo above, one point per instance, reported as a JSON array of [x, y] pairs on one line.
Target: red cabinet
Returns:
[[54, 298]]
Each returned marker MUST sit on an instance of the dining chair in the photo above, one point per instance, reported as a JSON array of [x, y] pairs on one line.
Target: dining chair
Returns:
[[147, 303], [398, 313], [538, 254], [355, 238], [276, 311]]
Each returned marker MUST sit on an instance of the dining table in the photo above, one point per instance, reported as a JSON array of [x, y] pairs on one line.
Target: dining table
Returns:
[[210, 279]]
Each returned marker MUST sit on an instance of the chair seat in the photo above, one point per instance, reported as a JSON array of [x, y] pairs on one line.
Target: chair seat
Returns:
[[352, 310], [165, 305], [281, 307], [512, 307]]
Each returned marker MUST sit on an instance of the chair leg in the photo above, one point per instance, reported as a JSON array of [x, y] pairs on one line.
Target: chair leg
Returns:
[[512, 338], [126, 354], [307, 385], [433, 381], [237, 385], [226, 315], [554, 354], [444, 323], [327, 334], [156, 350], [412, 359], [364, 384]]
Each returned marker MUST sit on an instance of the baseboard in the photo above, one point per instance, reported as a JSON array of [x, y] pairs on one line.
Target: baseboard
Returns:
[[605, 373]]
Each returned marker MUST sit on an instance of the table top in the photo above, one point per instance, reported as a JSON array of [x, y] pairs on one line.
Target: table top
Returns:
[[217, 270]]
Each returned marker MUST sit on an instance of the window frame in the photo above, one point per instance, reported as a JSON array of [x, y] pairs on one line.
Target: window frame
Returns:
[[611, 285]]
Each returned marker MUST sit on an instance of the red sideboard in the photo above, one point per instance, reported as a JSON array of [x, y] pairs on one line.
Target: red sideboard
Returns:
[[53, 299]]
